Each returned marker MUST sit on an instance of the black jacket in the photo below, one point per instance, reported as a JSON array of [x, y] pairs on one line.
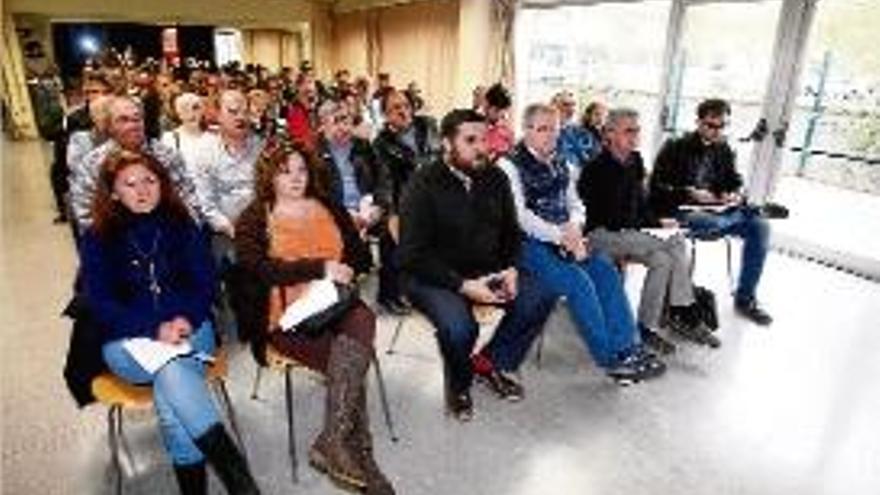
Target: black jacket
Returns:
[[365, 168], [84, 360], [449, 234], [397, 161], [687, 162], [257, 272], [614, 193]]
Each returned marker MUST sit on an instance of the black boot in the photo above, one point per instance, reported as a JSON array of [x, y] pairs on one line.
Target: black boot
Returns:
[[192, 479], [227, 461]]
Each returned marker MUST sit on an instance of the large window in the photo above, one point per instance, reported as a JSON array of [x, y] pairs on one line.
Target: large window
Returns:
[[611, 52]]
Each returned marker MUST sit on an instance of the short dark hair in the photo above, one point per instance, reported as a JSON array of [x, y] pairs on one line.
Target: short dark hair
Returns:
[[498, 96], [454, 119], [715, 107]]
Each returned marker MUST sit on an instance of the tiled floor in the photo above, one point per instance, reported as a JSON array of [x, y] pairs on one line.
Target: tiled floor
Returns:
[[790, 409]]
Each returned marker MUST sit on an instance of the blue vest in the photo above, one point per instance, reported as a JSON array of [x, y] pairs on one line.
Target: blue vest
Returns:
[[544, 187]]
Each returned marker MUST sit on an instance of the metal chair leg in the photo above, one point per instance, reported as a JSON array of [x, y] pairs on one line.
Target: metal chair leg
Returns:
[[256, 390], [397, 330], [220, 386], [291, 436], [383, 397], [126, 448], [730, 282], [113, 443]]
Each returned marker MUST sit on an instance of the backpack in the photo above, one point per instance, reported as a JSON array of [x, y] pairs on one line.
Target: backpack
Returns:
[[707, 307]]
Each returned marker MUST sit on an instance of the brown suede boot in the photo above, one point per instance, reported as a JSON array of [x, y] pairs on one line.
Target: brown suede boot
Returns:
[[362, 442], [331, 452]]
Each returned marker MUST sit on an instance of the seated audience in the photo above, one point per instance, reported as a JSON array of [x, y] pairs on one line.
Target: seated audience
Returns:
[[80, 118], [613, 189], [556, 252], [574, 145], [127, 133], [224, 171], [349, 170], [84, 141], [187, 137], [405, 144], [290, 235], [499, 135], [698, 170], [592, 121], [147, 274], [458, 249], [300, 114]]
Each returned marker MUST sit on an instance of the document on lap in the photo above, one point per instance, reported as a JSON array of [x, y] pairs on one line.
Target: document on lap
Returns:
[[151, 354], [320, 295], [665, 233], [708, 208]]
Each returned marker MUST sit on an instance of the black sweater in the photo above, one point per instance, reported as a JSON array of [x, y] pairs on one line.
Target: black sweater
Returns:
[[449, 234], [614, 193]]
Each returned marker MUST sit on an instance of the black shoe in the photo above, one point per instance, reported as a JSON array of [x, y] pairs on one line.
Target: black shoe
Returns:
[[653, 340], [773, 211], [638, 365], [460, 405], [650, 365], [694, 330], [192, 479], [504, 386], [396, 307], [750, 310]]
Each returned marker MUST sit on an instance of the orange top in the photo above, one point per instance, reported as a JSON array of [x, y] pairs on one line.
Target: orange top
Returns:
[[315, 235]]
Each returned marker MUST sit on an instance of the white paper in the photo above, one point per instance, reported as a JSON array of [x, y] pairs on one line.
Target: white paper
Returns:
[[665, 233], [708, 208], [320, 295], [151, 354]]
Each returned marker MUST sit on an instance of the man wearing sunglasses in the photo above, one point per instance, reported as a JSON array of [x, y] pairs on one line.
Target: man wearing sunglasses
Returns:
[[695, 180]]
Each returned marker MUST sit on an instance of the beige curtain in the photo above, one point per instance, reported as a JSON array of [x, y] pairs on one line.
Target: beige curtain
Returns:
[[351, 46], [266, 48], [412, 42]]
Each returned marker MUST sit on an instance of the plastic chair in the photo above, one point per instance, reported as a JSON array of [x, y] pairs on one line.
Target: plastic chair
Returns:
[[119, 396]]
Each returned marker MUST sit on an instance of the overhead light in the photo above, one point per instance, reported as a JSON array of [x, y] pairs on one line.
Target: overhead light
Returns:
[[88, 44]]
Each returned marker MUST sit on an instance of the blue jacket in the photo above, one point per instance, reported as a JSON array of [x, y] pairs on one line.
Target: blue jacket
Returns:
[[125, 299]]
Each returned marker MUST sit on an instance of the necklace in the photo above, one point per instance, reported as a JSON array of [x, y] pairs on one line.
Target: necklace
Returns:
[[148, 258]]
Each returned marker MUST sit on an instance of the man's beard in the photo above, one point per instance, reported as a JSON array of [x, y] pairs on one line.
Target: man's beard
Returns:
[[468, 167]]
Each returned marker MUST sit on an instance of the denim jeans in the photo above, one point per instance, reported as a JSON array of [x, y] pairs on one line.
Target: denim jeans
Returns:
[[743, 222], [180, 395], [457, 330], [595, 294]]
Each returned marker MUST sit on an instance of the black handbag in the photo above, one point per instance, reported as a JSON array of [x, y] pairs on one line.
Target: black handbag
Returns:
[[707, 308], [315, 325]]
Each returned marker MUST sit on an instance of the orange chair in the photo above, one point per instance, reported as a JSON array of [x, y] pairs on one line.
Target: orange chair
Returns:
[[119, 395]]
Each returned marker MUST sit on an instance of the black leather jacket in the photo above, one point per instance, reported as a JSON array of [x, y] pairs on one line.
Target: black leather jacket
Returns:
[[366, 169], [397, 161], [686, 162]]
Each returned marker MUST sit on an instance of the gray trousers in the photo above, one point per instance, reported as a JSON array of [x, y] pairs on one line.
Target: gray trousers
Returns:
[[668, 279]]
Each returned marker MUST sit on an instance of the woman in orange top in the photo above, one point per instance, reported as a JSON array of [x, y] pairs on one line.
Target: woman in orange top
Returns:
[[290, 235]]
